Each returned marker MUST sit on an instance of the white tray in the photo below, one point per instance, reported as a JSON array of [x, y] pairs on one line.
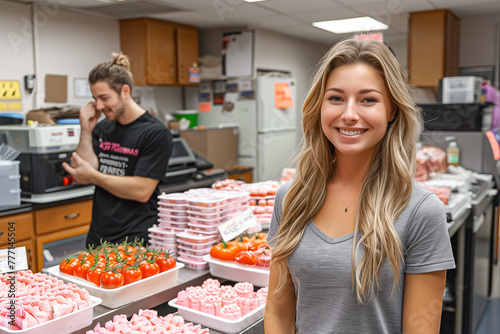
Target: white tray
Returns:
[[218, 323], [238, 272], [68, 323], [126, 294]]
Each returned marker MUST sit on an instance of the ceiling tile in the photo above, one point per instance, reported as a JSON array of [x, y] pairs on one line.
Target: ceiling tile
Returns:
[[468, 9], [271, 21], [384, 11], [299, 6], [333, 14], [193, 5], [192, 18], [231, 10], [130, 9]]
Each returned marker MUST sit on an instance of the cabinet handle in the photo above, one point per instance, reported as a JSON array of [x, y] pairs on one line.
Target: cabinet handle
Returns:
[[181, 74], [73, 215], [1, 233], [30, 259], [172, 71]]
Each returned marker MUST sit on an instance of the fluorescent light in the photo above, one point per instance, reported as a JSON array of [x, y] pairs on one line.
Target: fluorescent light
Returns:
[[254, 0], [364, 23]]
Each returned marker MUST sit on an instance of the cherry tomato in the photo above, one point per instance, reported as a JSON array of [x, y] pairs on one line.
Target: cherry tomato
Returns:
[[94, 275], [81, 270], [68, 265], [149, 269], [246, 257], [131, 275], [111, 280], [166, 263]]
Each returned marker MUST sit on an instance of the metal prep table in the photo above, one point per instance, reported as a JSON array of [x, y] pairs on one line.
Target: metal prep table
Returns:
[[187, 277]]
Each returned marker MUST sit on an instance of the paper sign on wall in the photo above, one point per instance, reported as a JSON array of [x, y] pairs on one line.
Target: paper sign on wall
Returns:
[[237, 225], [205, 107], [283, 98]]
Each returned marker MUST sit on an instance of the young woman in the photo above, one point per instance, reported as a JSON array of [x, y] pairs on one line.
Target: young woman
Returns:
[[359, 246]]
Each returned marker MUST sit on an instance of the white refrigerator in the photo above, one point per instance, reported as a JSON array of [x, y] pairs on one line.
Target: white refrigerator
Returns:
[[267, 137]]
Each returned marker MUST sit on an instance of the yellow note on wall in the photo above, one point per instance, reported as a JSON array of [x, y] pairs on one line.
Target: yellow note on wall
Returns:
[[10, 90]]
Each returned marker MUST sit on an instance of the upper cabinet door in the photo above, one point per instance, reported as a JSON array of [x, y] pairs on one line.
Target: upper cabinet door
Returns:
[[187, 53], [160, 53]]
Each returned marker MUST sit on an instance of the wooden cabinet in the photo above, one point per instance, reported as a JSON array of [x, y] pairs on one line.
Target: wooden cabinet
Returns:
[[187, 53], [63, 217], [42, 240], [37, 228], [161, 52], [23, 228], [433, 41]]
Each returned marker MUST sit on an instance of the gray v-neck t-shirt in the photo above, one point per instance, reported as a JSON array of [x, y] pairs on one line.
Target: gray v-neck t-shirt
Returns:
[[321, 270]]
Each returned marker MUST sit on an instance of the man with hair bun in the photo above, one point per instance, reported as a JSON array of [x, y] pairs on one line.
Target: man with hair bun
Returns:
[[125, 156]]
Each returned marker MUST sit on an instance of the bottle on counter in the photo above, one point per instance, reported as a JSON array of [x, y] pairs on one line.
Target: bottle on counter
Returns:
[[453, 154]]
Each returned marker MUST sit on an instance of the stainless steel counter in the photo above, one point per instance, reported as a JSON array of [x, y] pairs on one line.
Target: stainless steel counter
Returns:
[[187, 277]]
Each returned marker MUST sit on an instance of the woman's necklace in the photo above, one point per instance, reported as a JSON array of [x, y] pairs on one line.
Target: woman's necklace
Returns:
[[343, 203]]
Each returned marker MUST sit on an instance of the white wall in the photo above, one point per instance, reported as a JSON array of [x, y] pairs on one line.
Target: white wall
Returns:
[[281, 52], [16, 55], [72, 44], [272, 51], [479, 42]]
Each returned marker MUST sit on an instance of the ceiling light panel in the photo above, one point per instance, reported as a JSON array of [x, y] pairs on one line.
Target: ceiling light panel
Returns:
[[356, 24]]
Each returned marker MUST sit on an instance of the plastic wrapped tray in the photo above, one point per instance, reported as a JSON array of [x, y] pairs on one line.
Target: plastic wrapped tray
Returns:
[[218, 323], [126, 294], [238, 272], [68, 323]]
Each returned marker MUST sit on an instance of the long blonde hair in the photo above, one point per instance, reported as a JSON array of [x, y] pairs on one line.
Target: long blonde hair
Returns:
[[387, 186]]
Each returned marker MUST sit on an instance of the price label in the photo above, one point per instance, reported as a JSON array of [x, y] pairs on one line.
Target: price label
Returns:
[[13, 259], [237, 225]]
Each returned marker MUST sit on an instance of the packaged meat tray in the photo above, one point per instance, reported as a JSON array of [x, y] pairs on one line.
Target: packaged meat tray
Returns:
[[218, 323], [174, 198], [128, 293], [68, 323], [234, 271]]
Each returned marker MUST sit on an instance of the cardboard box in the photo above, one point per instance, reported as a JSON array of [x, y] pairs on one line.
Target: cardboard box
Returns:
[[219, 146]]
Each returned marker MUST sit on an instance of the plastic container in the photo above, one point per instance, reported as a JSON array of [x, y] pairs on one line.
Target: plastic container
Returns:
[[198, 252], [11, 118], [170, 240], [207, 222], [191, 257], [68, 323], [196, 238], [10, 189], [168, 227], [126, 294], [178, 207], [204, 228], [157, 231], [218, 323], [197, 246], [190, 115], [197, 265], [238, 272], [172, 212], [68, 121], [175, 219], [207, 201], [175, 225], [174, 198]]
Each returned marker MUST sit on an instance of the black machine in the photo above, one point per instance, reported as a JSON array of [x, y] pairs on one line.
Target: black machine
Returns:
[[43, 150]]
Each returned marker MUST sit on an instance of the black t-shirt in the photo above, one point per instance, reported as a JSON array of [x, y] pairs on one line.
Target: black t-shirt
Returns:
[[141, 148]]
